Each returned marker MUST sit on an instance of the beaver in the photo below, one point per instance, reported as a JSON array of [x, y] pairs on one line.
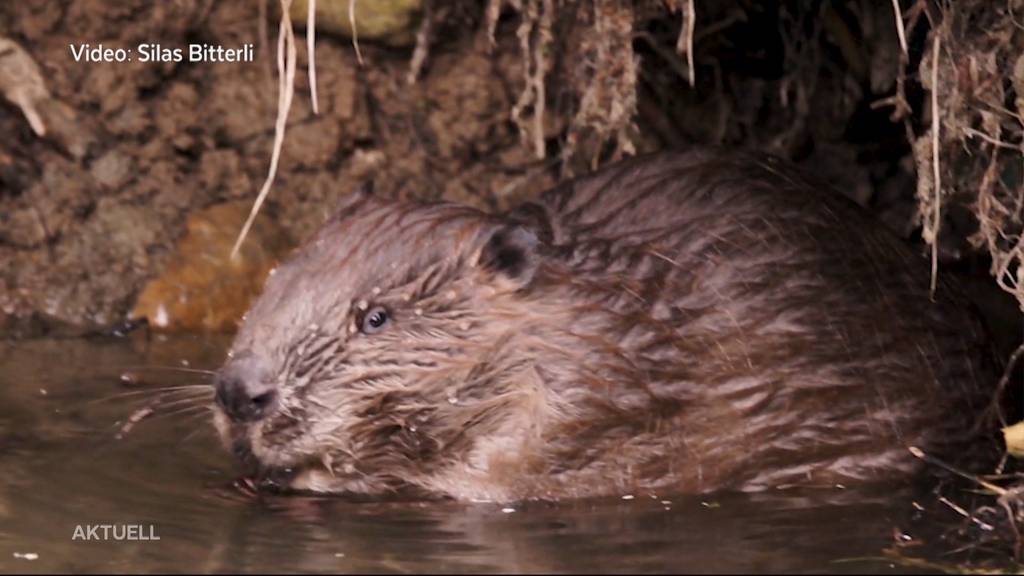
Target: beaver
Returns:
[[680, 322]]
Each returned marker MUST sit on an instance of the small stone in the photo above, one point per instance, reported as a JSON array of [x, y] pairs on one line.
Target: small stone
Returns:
[[112, 170]]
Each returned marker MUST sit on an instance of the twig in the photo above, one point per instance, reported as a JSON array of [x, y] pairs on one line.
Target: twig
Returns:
[[918, 453], [311, 49], [959, 510], [990, 139]]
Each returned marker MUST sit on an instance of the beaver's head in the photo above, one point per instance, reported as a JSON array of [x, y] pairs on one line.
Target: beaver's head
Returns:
[[385, 348]]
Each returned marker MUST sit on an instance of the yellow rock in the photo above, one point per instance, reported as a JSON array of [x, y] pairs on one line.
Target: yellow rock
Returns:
[[392, 22], [202, 288], [1014, 436]]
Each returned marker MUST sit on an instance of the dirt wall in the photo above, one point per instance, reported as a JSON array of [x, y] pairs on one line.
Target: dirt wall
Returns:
[[510, 97]]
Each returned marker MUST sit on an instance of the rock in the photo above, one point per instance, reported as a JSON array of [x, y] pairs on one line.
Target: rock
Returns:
[[112, 170], [23, 228], [392, 22]]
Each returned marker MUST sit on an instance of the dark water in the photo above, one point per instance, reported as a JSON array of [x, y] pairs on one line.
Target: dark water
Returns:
[[62, 467]]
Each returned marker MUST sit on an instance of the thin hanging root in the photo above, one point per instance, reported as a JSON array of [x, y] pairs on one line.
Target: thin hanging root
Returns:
[[900, 31], [311, 49], [419, 55], [685, 42], [540, 51], [537, 17], [936, 124], [493, 13], [355, 34], [285, 93]]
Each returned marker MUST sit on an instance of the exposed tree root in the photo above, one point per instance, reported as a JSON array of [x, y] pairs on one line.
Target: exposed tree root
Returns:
[[286, 59]]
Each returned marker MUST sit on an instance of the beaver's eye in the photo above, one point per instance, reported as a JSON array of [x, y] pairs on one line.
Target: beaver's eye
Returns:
[[375, 320]]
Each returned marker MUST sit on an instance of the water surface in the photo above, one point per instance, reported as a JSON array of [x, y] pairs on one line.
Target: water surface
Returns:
[[63, 403]]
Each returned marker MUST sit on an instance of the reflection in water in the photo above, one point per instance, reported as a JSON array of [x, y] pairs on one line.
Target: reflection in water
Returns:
[[62, 468]]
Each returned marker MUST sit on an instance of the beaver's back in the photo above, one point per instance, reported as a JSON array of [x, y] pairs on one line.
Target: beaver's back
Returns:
[[787, 334]]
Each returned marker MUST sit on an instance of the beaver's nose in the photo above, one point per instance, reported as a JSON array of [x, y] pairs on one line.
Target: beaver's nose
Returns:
[[243, 390]]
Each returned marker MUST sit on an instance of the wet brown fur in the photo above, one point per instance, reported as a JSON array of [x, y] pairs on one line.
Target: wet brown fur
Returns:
[[687, 322]]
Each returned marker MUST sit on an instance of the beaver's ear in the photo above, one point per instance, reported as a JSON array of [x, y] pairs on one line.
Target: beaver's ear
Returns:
[[512, 255], [354, 200]]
